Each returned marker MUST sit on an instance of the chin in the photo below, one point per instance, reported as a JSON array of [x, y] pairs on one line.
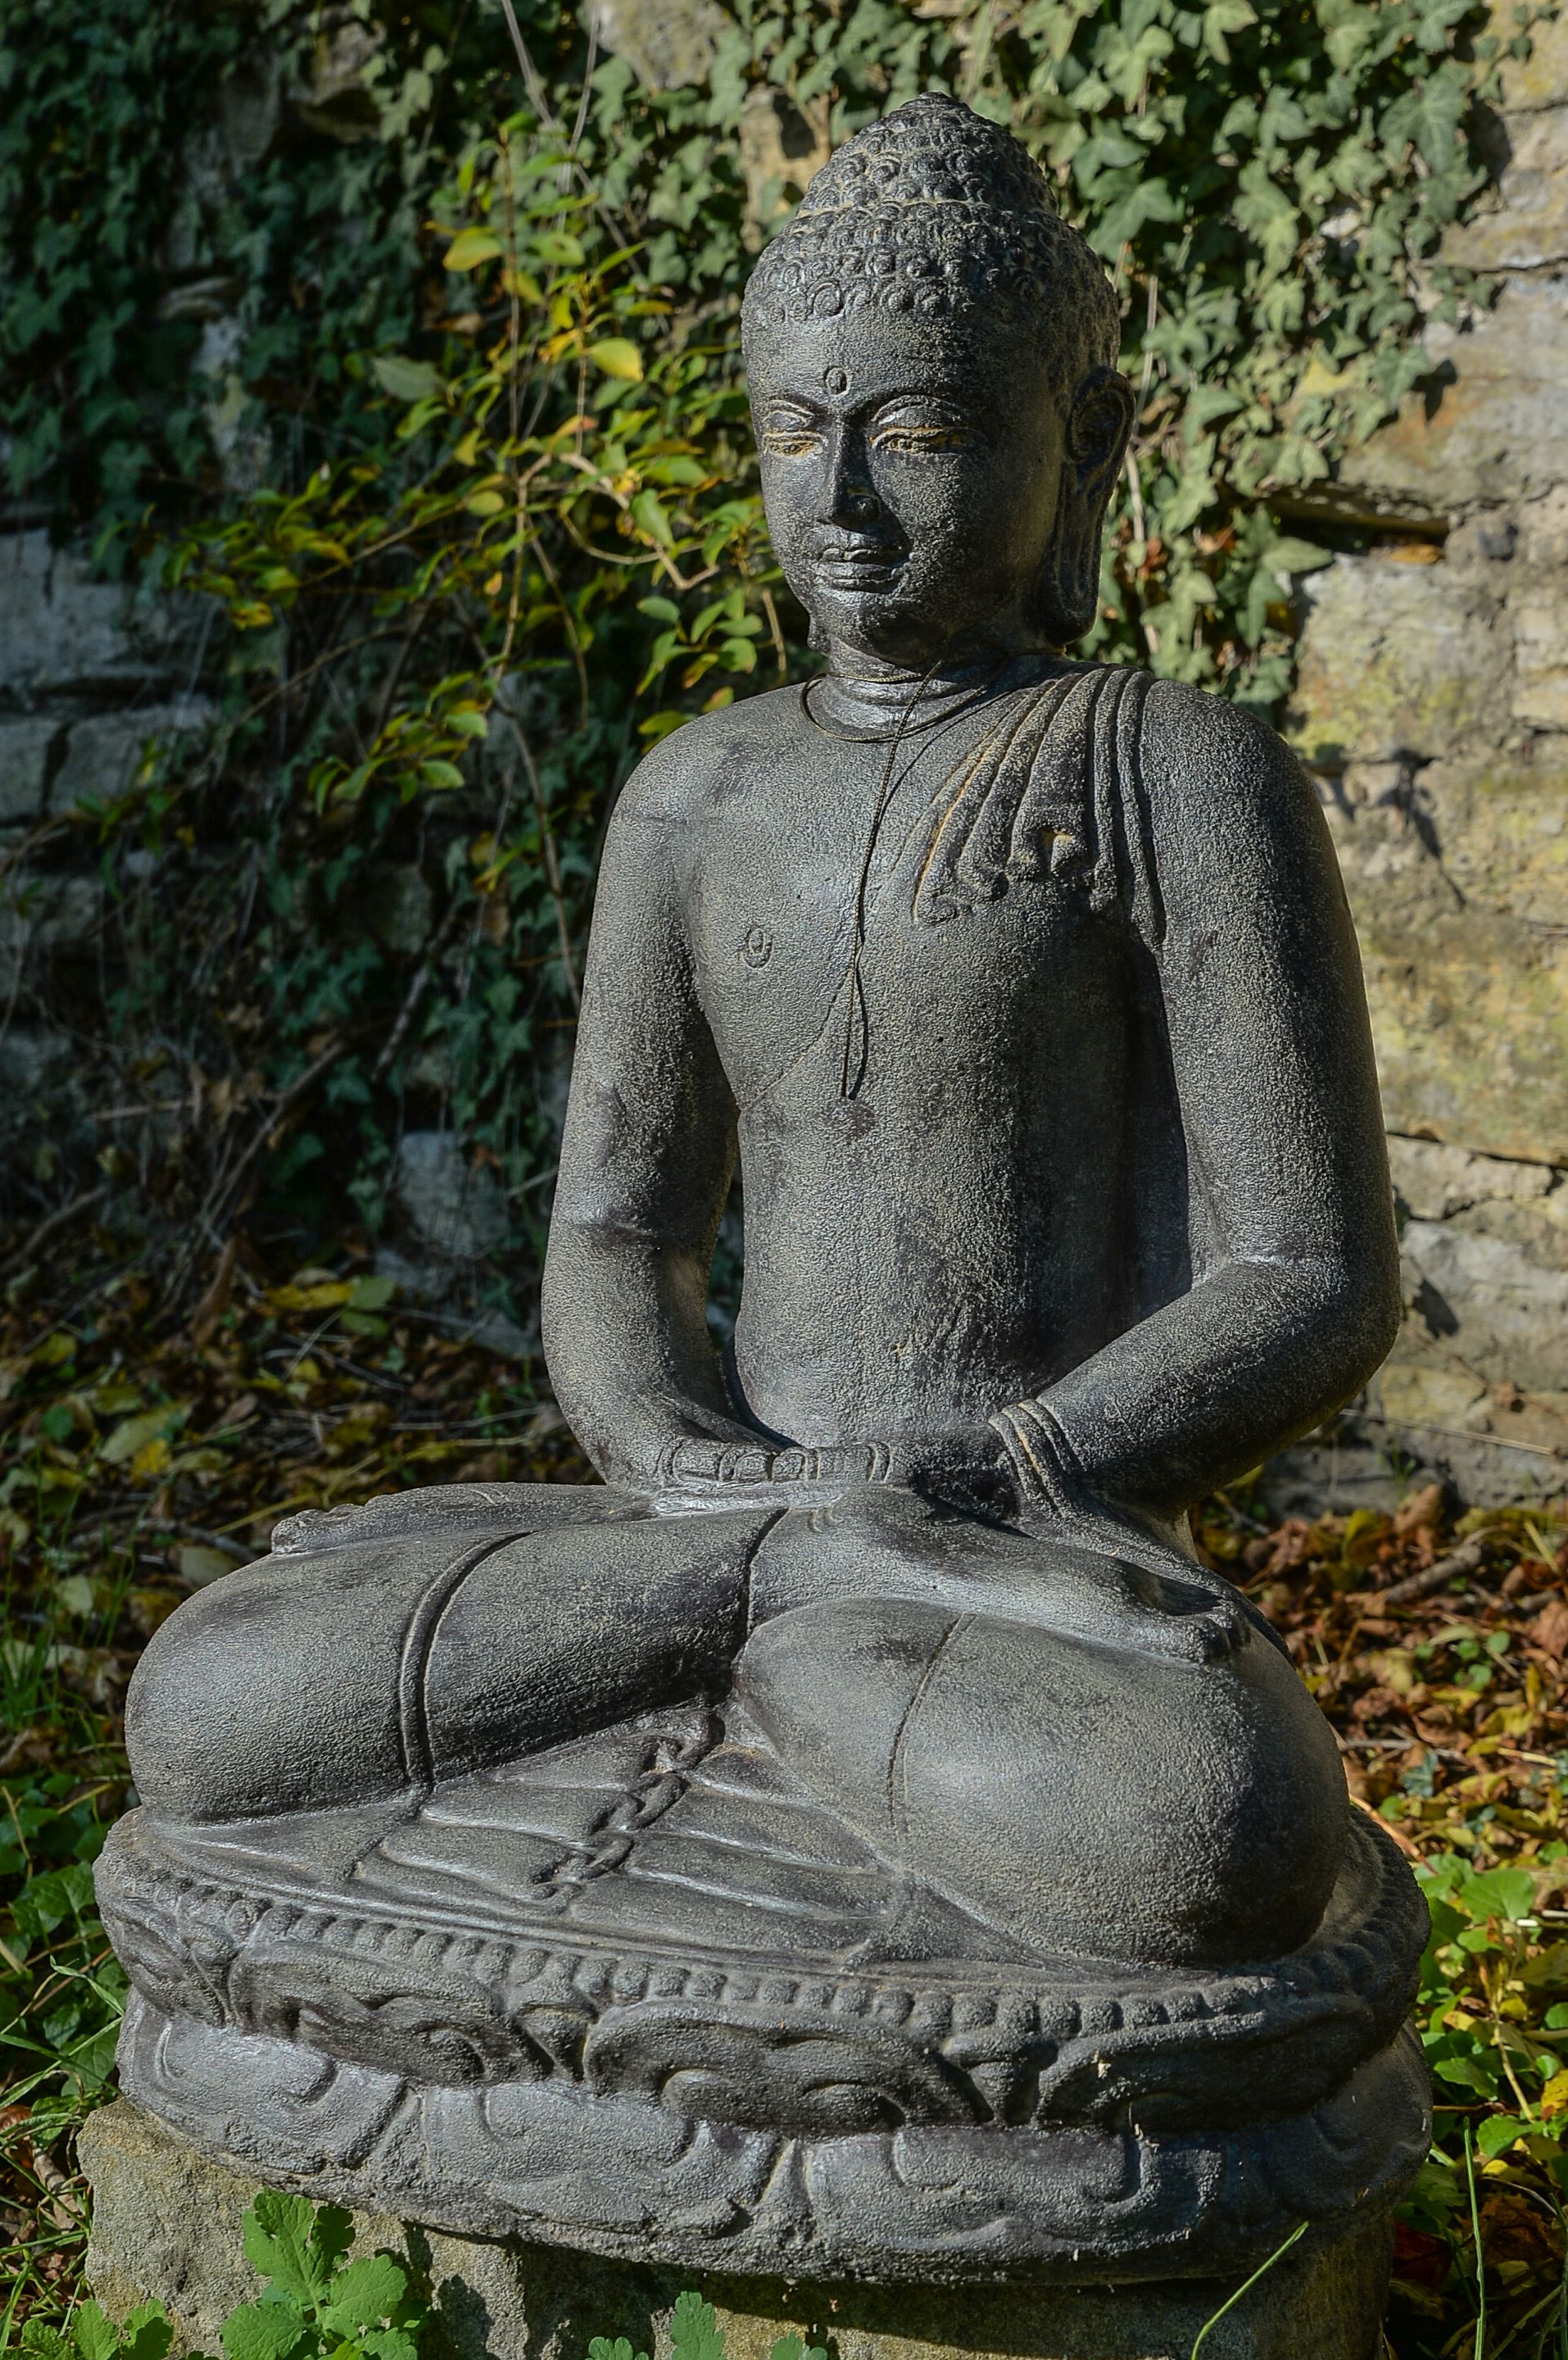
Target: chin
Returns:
[[885, 623]]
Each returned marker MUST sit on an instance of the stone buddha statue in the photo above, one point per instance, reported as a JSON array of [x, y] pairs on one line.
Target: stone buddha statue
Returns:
[[858, 1836]]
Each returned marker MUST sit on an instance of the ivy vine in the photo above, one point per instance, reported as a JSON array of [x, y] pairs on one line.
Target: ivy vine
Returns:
[[409, 337]]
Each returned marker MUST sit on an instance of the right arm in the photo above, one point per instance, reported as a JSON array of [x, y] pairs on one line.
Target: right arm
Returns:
[[646, 1162]]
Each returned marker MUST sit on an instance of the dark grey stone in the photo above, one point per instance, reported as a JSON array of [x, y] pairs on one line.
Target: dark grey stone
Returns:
[[167, 2222], [859, 1841]]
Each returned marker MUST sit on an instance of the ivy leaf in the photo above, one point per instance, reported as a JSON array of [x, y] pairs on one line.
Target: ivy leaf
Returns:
[[1223, 16], [470, 247], [617, 356], [1506, 1893], [53, 1898], [1429, 117], [1290, 556], [1499, 2133]]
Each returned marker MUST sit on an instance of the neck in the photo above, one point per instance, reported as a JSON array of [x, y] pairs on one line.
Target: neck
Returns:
[[860, 691]]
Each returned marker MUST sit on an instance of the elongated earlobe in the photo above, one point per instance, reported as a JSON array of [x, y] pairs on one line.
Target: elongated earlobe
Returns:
[[1098, 432]]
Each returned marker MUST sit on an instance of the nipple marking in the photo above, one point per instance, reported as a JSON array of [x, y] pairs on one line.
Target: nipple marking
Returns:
[[758, 947]]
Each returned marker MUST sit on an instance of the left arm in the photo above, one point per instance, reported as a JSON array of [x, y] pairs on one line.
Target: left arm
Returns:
[[1297, 1299]]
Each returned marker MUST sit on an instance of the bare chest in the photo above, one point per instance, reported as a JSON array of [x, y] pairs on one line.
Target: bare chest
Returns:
[[807, 900]]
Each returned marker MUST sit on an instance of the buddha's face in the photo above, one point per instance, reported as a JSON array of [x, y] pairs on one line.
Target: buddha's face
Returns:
[[910, 471]]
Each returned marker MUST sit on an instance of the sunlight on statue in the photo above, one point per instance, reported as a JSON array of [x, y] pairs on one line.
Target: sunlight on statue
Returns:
[[1024, 994]]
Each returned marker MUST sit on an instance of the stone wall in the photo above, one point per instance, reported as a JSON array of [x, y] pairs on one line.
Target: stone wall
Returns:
[[1432, 707], [89, 675]]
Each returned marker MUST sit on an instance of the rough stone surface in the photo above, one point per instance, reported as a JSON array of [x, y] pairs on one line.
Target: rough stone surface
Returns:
[[453, 1208], [62, 631], [1433, 707], [668, 43], [165, 2221], [858, 1839], [104, 754], [26, 750]]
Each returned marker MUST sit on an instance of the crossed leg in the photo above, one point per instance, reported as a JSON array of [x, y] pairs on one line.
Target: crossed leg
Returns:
[[1080, 1738], [376, 1667], [1097, 1756]]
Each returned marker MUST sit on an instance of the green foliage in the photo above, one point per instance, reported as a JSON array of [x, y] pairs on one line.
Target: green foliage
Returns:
[[1494, 2023], [99, 376], [695, 2334], [315, 2305], [314, 2302], [145, 2334], [421, 362], [61, 1998]]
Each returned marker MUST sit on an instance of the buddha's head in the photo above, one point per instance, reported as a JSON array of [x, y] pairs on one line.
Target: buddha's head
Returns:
[[931, 357]]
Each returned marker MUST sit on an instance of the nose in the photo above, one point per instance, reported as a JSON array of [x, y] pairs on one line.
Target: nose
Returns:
[[848, 494]]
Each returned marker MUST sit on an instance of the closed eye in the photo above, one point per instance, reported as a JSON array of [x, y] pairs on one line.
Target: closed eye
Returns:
[[789, 433], [921, 440], [919, 429]]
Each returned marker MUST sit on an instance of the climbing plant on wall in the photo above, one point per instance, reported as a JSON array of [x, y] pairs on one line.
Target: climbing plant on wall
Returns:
[[408, 337]]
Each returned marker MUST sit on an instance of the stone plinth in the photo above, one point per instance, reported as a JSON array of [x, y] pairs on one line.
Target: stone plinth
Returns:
[[167, 2223]]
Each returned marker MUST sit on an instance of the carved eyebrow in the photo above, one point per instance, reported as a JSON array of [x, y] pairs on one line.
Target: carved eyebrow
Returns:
[[940, 405]]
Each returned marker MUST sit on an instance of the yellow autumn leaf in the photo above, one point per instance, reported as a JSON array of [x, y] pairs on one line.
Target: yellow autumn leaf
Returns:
[[470, 247], [617, 356], [323, 1296], [1555, 2097], [132, 1435], [152, 1458]]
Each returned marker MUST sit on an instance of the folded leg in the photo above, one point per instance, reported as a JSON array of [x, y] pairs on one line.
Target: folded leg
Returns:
[[1094, 1756], [375, 1667]]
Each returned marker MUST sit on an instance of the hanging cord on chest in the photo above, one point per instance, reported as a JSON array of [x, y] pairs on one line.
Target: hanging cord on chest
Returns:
[[857, 1028]]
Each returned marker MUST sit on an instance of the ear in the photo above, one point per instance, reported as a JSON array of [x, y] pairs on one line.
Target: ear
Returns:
[[1099, 427]]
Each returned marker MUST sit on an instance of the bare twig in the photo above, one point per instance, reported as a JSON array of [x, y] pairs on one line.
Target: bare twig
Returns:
[[551, 855], [414, 995], [227, 1185], [56, 1221], [1468, 1558], [213, 1304], [771, 611], [539, 97]]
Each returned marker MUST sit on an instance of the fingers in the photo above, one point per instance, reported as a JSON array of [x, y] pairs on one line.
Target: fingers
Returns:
[[719, 1462], [1036, 1458], [750, 1465]]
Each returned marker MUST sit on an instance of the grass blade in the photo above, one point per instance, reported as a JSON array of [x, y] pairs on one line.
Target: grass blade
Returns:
[[1246, 2288], [1480, 2343]]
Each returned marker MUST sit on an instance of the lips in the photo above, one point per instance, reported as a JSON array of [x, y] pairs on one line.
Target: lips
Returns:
[[857, 564]]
